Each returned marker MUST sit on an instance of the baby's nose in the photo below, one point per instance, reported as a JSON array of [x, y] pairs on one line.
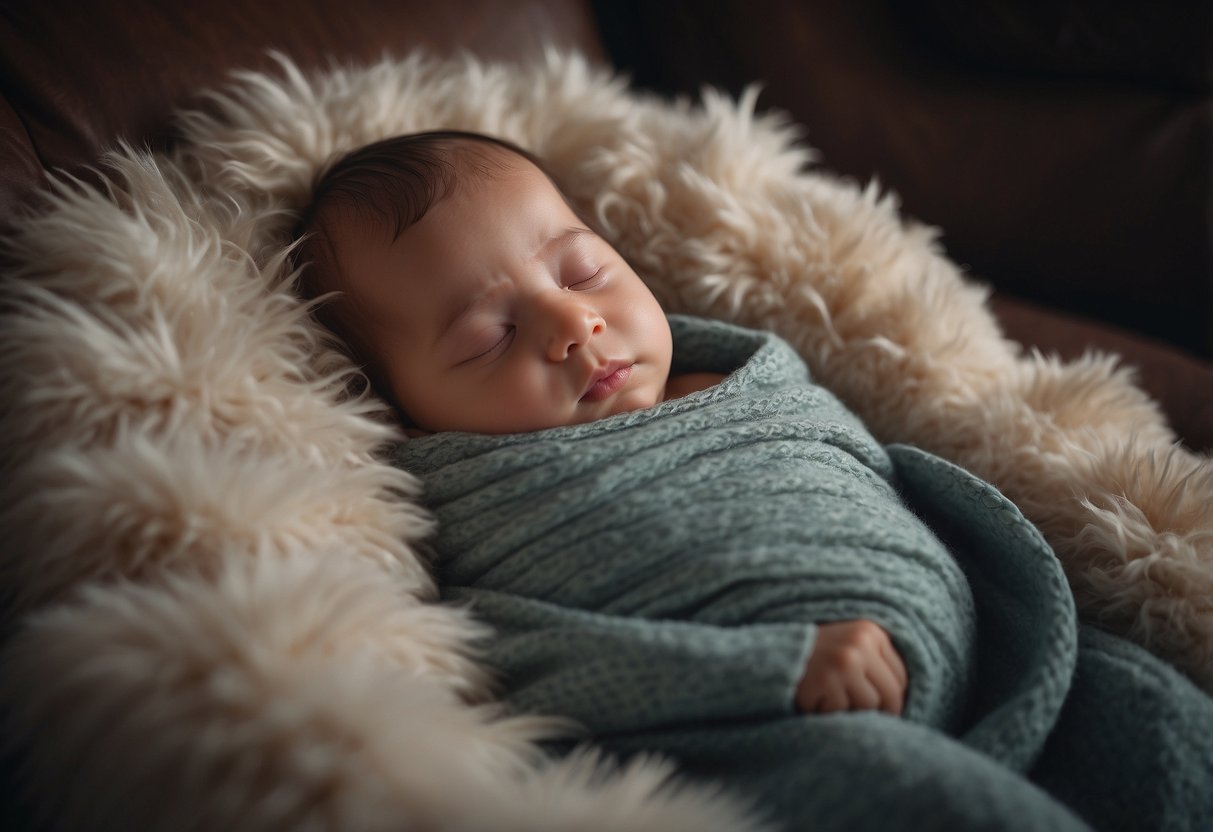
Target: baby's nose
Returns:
[[571, 324]]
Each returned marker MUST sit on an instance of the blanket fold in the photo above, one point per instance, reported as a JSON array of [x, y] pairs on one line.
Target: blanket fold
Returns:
[[658, 576]]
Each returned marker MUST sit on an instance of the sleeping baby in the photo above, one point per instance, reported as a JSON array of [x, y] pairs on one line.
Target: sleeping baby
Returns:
[[686, 546]]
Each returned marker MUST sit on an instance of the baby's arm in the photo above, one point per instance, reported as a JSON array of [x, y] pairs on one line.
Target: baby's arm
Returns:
[[853, 667]]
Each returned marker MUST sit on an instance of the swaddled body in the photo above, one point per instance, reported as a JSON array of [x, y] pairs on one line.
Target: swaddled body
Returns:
[[760, 507]]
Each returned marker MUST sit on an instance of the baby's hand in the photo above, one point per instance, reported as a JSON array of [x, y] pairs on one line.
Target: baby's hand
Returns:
[[854, 667]]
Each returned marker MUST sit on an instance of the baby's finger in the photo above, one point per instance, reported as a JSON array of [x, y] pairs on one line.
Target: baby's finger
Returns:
[[895, 663], [863, 695], [833, 697], [891, 692]]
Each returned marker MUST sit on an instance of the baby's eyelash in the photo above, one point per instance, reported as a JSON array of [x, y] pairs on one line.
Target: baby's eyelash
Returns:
[[497, 346], [590, 282]]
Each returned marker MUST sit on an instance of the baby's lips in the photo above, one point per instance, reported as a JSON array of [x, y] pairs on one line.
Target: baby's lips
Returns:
[[606, 380]]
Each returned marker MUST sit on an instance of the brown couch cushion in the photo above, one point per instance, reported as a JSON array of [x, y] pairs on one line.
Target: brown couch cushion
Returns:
[[1164, 43]]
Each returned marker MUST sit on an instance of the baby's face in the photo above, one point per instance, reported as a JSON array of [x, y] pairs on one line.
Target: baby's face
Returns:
[[501, 312]]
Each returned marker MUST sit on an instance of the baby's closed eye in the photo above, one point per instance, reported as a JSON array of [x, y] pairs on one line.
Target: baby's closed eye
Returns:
[[581, 281], [488, 342]]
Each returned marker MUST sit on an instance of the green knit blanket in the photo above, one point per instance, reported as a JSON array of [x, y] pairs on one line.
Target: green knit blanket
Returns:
[[658, 576]]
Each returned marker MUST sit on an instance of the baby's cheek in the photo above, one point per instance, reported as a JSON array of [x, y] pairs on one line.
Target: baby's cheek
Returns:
[[529, 400]]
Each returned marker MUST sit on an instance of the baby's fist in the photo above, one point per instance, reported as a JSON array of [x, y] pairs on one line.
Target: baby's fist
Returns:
[[854, 667]]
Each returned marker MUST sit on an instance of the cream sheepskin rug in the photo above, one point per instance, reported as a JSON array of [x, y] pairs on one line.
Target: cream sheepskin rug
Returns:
[[223, 619]]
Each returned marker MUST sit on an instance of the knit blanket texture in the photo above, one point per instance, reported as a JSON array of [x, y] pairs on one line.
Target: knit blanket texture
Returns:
[[657, 576]]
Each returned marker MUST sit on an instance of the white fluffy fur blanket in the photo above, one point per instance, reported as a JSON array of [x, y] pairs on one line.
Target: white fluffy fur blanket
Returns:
[[223, 621]]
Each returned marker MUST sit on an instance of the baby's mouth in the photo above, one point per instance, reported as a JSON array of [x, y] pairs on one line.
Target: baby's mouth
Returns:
[[607, 380]]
